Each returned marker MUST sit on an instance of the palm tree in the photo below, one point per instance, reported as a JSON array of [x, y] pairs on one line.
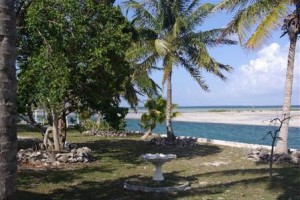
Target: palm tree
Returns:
[[8, 137], [266, 16], [156, 113], [169, 36]]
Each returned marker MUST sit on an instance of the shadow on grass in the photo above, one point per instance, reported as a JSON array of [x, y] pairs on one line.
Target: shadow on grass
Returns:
[[56, 176], [107, 189], [130, 150], [73, 185], [286, 179], [104, 189]]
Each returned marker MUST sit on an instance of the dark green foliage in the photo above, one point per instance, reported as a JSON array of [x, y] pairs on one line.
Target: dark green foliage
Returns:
[[114, 116], [71, 57]]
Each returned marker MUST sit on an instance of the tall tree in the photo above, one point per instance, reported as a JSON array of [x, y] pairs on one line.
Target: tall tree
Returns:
[[8, 137], [254, 22], [74, 59], [170, 35]]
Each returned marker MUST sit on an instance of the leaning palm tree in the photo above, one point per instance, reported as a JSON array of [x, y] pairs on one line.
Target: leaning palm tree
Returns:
[[169, 36], [254, 22], [8, 137]]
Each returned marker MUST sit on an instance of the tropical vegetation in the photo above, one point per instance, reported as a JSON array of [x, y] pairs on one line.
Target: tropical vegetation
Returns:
[[170, 36], [71, 58], [254, 22], [156, 113]]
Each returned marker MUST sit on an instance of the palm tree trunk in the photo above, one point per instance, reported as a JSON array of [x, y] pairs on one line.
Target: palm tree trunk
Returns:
[[8, 136], [170, 133], [282, 144], [146, 135]]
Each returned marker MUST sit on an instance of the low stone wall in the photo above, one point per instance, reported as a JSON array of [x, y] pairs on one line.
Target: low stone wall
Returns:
[[264, 156], [46, 158], [179, 142]]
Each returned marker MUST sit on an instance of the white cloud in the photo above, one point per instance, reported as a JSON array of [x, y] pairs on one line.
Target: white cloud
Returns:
[[264, 77]]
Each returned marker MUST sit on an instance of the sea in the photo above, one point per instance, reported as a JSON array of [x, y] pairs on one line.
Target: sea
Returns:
[[251, 134]]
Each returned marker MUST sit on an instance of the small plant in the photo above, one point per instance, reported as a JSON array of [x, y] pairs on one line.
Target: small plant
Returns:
[[274, 137], [156, 113], [88, 125]]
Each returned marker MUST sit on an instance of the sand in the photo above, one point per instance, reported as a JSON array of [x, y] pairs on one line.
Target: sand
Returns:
[[262, 117]]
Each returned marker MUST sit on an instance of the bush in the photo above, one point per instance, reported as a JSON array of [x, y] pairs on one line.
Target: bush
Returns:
[[88, 125]]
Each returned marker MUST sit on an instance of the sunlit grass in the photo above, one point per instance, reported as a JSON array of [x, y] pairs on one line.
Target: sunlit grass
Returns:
[[214, 172]]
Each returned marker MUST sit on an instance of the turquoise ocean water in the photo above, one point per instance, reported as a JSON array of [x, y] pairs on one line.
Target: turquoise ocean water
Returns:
[[251, 134]]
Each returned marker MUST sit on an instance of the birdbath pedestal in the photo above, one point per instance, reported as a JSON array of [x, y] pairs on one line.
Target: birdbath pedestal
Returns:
[[158, 160]]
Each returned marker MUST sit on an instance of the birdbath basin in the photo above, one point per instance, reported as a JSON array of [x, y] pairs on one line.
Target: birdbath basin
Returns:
[[158, 160]]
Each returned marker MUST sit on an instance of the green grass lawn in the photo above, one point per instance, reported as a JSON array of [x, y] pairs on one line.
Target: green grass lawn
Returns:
[[214, 172]]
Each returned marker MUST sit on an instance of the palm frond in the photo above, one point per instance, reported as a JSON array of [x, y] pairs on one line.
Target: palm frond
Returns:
[[178, 27], [192, 6], [194, 72], [232, 5], [198, 15], [269, 23], [139, 51], [162, 47], [146, 85], [205, 61], [147, 64], [248, 14], [142, 16], [213, 38]]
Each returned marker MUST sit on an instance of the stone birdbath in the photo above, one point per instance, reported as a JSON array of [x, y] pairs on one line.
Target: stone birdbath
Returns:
[[158, 160]]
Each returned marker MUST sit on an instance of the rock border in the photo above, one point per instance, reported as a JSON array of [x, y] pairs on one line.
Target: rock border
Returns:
[[264, 156], [46, 158]]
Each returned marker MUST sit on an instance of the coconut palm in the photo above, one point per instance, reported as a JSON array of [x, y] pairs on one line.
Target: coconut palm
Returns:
[[169, 36], [254, 22], [8, 137], [156, 113]]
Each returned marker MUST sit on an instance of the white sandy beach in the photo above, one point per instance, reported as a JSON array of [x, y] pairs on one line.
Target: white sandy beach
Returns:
[[232, 117]]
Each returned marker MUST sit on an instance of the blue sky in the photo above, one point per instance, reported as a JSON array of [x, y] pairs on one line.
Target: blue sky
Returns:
[[257, 79]]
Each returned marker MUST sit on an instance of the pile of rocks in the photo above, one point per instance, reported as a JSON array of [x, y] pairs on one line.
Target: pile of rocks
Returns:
[[262, 155], [51, 158], [179, 142], [112, 133]]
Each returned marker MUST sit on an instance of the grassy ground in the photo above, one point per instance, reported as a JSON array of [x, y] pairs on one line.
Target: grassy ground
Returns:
[[214, 172]]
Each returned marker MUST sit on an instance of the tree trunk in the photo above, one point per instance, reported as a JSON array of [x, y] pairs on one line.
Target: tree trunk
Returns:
[[170, 133], [99, 118], [55, 132], [282, 144], [62, 130], [8, 136], [146, 135]]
